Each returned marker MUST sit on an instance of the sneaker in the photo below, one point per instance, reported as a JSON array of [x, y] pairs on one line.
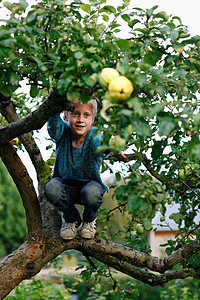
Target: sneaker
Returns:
[[88, 230], [69, 231]]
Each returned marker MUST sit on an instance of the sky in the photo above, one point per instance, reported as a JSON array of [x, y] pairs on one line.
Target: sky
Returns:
[[188, 11]]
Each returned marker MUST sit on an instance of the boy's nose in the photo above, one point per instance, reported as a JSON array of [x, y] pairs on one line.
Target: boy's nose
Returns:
[[80, 119]]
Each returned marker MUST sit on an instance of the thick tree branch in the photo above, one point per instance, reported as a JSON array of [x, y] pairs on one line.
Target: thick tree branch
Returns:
[[19, 265], [36, 119], [138, 258], [145, 275], [27, 139], [139, 265], [26, 189]]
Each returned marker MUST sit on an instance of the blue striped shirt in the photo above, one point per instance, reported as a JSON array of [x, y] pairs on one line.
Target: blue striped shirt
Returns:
[[75, 163]]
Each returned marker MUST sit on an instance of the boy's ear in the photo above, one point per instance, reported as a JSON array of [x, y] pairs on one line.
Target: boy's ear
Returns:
[[65, 116]]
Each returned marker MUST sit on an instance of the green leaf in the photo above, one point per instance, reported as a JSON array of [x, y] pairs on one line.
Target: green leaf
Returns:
[[174, 35], [122, 66], [162, 15], [166, 126], [123, 44], [5, 91], [85, 97], [118, 176], [141, 80], [23, 4], [13, 78], [158, 148], [177, 18], [63, 84], [4, 32], [108, 9], [31, 17], [136, 104], [180, 73], [105, 18], [132, 23], [24, 42], [141, 127], [7, 42], [72, 94], [126, 17], [8, 5], [147, 224], [195, 152], [78, 55], [155, 109], [153, 57], [197, 119], [134, 203], [86, 8], [149, 12], [39, 63], [34, 91], [177, 217]]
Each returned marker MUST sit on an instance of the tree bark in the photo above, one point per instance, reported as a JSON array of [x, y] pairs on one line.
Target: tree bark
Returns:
[[28, 260], [44, 242], [36, 119], [27, 139]]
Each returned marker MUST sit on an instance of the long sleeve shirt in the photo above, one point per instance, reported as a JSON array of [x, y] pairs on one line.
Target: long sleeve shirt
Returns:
[[75, 163]]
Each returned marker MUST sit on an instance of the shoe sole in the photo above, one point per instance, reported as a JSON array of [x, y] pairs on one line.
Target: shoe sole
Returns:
[[67, 237], [85, 236]]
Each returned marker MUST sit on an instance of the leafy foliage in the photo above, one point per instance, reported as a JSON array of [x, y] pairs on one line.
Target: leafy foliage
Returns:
[[40, 289], [62, 46], [12, 217]]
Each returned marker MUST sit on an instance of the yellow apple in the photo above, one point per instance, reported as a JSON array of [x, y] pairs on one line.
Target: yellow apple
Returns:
[[120, 88], [116, 141], [106, 75]]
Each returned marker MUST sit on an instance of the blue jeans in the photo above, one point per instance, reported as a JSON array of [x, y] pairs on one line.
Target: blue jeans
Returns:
[[64, 194]]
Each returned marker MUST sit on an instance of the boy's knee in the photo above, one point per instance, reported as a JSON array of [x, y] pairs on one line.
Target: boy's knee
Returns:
[[53, 190], [93, 193]]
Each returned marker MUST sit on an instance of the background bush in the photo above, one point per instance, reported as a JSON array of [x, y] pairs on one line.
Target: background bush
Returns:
[[12, 214]]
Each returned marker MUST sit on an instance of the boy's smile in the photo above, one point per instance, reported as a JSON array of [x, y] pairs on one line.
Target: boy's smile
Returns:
[[80, 121]]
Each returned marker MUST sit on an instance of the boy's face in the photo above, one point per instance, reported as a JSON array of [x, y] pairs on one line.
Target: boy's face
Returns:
[[80, 120]]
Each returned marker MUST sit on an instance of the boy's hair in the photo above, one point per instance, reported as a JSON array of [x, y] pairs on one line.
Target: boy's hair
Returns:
[[92, 103]]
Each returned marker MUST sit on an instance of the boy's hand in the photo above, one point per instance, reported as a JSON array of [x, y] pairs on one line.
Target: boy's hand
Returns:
[[122, 154]]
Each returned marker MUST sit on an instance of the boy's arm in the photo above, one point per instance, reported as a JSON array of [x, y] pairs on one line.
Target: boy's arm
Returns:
[[55, 127], [96, 142]]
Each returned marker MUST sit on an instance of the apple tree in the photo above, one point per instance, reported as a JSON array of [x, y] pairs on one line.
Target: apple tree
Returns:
[[57, 49]]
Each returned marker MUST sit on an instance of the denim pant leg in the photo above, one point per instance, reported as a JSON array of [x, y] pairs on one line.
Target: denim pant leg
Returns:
[[91, 198], [61, 196]]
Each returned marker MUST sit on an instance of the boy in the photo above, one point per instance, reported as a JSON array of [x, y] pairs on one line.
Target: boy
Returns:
[[76, 177]]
